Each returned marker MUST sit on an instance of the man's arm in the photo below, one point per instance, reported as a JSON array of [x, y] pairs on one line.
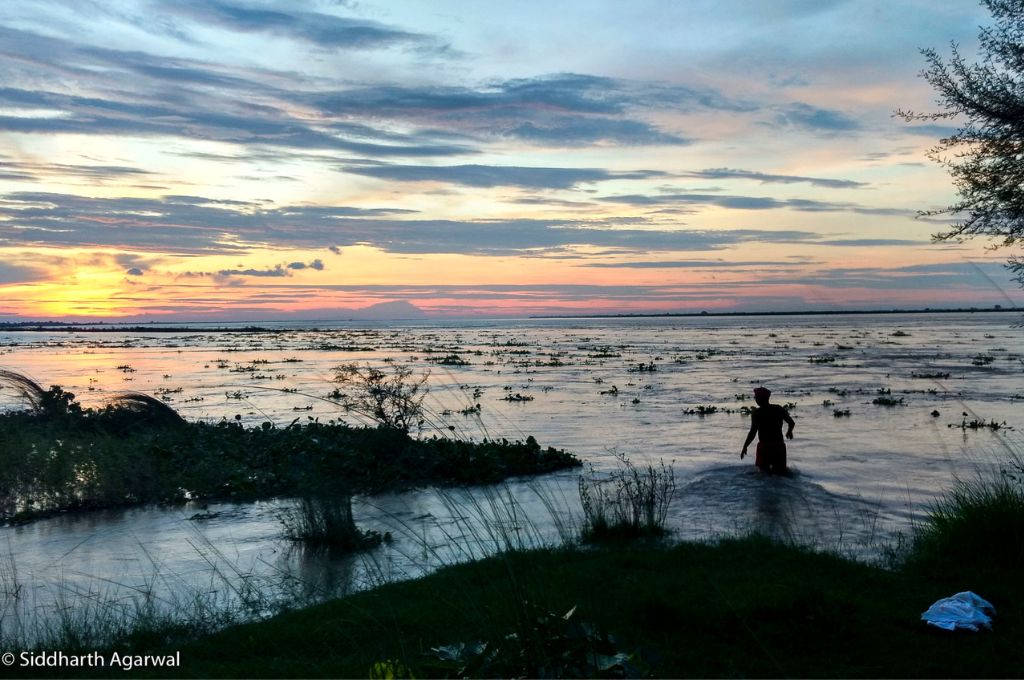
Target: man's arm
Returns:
[[750, 436], [789, 422]]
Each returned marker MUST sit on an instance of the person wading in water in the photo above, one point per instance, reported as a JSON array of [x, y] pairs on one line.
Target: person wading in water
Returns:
[[766, 423]]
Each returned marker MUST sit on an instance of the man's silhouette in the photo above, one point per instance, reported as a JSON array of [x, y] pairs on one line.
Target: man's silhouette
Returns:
[[766, 423]]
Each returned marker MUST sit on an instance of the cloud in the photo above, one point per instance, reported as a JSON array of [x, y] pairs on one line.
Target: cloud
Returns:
[[317, 264], [562, 109], [320, 29], [767, 178], [690, 264], [929, 130], [276, 271], [807, 117], [92, 172], [133, 93], [191, 224], [573, 130], [934, 277], [18, 273], [497, 175], [734, 202], [94, 116], [870, 242]]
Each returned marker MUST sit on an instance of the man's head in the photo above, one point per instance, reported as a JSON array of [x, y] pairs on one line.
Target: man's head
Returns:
[[761, 395]]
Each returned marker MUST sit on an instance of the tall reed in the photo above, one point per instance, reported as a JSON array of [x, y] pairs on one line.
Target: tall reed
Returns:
[[630, 502]]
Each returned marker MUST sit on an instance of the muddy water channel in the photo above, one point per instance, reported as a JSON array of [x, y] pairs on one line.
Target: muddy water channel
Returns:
[[884, 408]]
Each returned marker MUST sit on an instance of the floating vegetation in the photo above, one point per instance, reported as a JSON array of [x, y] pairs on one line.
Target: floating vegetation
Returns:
[[930, 376], [471, 410], [701, 410], [980, 424], [901, 334], [841, 413], [822, 359], [827, 403], [517, 397], [983, 360], [884, 400], [449, 360], [613, 392], [58, 456], [643, 368]]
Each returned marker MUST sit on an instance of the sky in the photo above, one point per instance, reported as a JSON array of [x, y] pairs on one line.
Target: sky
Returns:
[[257, 159]]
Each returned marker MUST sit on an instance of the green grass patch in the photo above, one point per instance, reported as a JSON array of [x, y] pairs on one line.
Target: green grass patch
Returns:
[[980, 522], [745, 607]]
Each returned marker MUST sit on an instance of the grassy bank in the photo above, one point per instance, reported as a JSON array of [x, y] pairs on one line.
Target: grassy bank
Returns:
[[745, 607], [740, 607], [58, 456]]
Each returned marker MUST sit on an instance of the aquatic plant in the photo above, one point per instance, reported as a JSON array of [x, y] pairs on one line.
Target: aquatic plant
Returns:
[[883, 400], [138, 450], [821, 359], [629, 502], [979, 424], [643, 368], [449, 360]]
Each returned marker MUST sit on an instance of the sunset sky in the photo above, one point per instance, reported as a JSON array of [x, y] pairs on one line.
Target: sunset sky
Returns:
[[246, 159]]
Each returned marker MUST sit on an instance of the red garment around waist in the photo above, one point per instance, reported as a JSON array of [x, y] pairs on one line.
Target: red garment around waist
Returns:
[[769, 453]]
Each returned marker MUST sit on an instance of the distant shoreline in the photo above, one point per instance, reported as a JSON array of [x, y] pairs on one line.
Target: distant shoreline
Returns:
[[817, 312], [225, 327]]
